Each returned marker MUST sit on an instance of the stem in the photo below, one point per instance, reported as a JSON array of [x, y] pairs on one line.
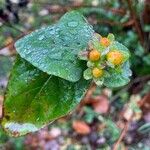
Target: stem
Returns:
[[122, 135], [136, 22]]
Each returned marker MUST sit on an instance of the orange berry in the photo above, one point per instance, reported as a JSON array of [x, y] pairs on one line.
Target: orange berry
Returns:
[[115, 57], [94, 55], [97, 72], [104, 41]]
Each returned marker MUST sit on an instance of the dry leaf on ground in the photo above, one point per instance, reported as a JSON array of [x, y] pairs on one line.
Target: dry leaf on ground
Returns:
[[81, 127]]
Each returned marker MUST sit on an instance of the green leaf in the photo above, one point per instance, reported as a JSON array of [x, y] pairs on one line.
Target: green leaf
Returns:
[[119, 77], [34, 98], [54, 49], [111, 37], [144, 128], [87, 74], [5, 66], [112, 129]]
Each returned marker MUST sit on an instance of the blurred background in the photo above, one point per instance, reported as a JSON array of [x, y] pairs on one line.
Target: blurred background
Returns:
[[106, 119]]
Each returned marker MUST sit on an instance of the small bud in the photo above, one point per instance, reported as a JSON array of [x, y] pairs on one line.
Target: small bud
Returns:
[[111, 37], [115, 57], [104, 41], [83, 55], [97, 72], [87, 74], [94, 55]]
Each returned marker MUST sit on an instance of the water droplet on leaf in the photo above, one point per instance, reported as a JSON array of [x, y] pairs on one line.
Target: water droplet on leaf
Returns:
[[72, 24], [41, 37]]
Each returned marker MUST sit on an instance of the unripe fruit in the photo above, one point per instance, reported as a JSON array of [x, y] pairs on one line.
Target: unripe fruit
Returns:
[[104, 41], [97, 72], [94, 55], [115, 57]]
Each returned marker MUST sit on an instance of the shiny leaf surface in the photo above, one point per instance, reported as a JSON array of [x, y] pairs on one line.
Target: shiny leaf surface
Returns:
[[54, 49], [118, 77], [34, 98]]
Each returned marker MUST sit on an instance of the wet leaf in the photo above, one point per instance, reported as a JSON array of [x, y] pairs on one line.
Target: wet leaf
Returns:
[[119, 77], [54, 49], [34, 98]]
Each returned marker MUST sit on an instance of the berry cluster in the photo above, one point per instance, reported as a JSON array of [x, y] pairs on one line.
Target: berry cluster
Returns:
[[103, 53]]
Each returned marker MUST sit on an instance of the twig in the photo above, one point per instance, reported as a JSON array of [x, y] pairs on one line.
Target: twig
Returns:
[[1, 106], [90, 90], [136, 23], [113, 23], [144, 99], [136, 80], [125, 129], [122, 135]]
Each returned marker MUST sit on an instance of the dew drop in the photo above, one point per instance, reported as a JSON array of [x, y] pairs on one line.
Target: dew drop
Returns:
[[41, 37], [52, 32], [72, 24]]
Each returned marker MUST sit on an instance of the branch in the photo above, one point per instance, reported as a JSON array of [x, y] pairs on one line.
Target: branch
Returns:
[[122, 135], [136, 80], [1, 106], [125, 129], [114, 23], [136, 23]]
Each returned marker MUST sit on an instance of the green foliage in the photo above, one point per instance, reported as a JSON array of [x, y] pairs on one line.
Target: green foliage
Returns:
[[144, 128], [38, 98], [54, 49], [16, 143], [118, 77], [46, 81], [113, 135], [114, 75], [5, 65], [90, 115]]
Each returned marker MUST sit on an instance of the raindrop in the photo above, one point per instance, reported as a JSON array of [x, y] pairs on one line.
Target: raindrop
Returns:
[[57, 35], [72, 24], [52, 32], [41, 37], [57, 29]]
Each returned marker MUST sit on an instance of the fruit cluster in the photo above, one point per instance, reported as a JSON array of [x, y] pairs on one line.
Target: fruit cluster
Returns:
[[103, 53]]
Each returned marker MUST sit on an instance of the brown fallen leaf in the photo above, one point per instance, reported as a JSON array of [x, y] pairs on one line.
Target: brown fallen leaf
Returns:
[[101, 104], [144, 103], [81, 127]]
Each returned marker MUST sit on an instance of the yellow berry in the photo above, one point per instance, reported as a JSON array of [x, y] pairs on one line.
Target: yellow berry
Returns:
[[104, 41], [97, 72], [94, 55], [115, 57]]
